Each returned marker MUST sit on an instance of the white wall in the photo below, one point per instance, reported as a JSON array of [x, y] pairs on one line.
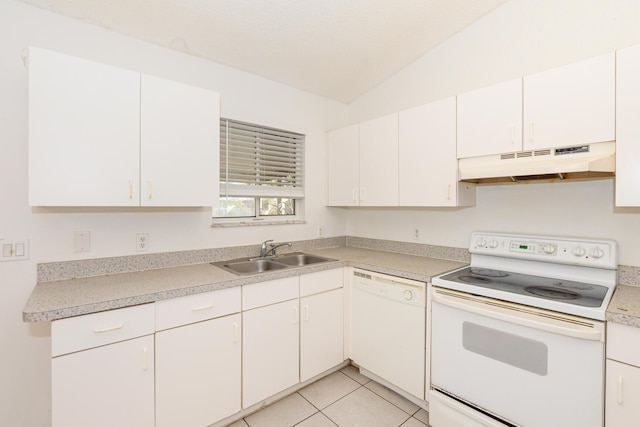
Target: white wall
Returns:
[[520, 37], [24, 348]]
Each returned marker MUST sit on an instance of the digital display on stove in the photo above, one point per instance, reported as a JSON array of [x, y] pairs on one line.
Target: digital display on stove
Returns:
[[523, 247], [567, 291]]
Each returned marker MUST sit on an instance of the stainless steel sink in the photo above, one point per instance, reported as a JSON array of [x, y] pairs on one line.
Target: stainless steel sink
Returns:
[[299, 259], [247, 266]]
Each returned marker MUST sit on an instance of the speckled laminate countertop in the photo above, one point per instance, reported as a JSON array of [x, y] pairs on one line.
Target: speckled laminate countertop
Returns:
[[624, 307], [73, 297]]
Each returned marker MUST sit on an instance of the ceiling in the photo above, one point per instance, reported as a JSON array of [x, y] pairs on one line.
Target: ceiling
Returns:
[[338, 49]]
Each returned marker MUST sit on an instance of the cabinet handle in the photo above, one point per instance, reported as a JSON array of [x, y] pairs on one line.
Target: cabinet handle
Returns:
[[204, 307], [531, 132], [131, 189], [513, 135], [306, 312], [144, 359], [150, 189], [620, 390], [354, 194], [295, 315], [362, 194], [449, 192], [108, 329], [235, 332]]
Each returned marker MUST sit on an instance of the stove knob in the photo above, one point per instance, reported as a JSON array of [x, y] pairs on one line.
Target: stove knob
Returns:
[[408, 295], [493, 243], [579, 251], [549, 249], [597, 252], [481, 242]]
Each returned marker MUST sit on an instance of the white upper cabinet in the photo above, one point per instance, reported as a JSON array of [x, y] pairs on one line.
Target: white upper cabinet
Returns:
[[363, 164], [84, 132], [570, 105], [428, 168], [104, 136], [343, 160], [379, 161], [628, 127], [490, 120], [179, 144]]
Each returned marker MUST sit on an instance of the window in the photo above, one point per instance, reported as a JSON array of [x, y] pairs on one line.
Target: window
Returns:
[[261, 171]]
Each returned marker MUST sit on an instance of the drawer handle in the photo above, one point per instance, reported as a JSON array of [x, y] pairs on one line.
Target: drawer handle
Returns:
[[235, 332], [295, 315], [108, 329], [306, 313], [204, 307]]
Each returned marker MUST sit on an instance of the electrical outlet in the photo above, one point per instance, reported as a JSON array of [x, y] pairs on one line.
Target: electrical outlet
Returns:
[[416, 234], [320, 231], [142, 242], [81, 241]]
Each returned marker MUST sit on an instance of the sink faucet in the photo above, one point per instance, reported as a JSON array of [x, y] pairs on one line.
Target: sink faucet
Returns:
[[264, 252]]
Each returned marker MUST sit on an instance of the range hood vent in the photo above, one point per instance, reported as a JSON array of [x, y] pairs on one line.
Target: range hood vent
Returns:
[[591, 161]]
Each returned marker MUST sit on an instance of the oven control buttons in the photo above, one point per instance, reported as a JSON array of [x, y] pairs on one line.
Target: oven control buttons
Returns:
[[481, 242], [549, 249], [579, 251], [597, 252], [408, 295], [493, 243]]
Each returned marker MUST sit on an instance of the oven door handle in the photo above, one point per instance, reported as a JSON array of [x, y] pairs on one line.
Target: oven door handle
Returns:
[[502, 312]]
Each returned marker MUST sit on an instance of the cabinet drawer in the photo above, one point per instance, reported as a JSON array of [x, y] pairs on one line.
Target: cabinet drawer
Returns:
[[93, 330], [196, 308], [321, 281], [623, 343], [271, 292]]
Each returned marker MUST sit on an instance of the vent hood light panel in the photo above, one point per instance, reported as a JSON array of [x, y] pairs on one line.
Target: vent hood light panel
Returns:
[[591, 161]]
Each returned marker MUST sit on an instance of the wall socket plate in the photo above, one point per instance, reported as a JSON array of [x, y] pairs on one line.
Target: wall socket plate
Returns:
[[142, 242], [14, 250]]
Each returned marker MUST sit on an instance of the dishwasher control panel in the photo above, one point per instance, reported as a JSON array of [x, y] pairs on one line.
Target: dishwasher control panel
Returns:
[[397, 289]]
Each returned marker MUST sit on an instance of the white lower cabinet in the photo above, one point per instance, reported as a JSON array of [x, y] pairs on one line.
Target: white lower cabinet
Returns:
[[623, 376], [198, 372], [321, 322], [270, 359], [109, 382]]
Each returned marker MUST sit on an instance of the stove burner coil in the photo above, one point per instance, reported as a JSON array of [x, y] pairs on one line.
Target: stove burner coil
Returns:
[[474, 279], [552, 293], [486, 272]]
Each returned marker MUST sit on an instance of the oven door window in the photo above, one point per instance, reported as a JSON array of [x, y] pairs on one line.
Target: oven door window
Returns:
[[527, 375], [520, 352]]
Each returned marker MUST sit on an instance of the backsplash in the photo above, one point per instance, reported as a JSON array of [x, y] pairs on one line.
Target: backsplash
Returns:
[[52, 271]]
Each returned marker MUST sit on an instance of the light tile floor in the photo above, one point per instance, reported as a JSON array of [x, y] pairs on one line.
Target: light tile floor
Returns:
[[344, 399]]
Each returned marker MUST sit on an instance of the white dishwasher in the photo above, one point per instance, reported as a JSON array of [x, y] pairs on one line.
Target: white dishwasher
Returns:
[[388, 329]]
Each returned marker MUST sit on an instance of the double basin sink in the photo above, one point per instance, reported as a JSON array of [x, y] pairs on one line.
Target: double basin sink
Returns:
[[246, 266]]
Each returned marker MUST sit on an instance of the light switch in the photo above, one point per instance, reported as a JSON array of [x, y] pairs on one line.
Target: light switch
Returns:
[[7, 250], [19, 249]]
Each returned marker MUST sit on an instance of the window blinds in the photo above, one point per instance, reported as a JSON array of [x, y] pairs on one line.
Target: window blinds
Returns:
[[257, 161]]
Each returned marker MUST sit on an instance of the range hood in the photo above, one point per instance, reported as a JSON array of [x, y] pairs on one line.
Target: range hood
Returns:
[[589, 161]]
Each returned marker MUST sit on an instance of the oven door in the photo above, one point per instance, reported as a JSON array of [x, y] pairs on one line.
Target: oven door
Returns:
[[525, 366]]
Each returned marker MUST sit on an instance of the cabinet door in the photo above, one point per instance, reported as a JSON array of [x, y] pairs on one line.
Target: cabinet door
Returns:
[[428, 173], [490, 120], [622, 395], [198, 373], [84, 132], [106, 386], [321, 333], [570, 105], [343, 166], [179, 137], [628, 127], [270, 356], [379, 161]]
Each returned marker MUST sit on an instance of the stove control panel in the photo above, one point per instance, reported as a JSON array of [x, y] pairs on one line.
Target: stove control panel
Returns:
[[561, 250]]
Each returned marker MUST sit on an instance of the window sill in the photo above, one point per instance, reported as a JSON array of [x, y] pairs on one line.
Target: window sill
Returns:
[[256, 223]]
